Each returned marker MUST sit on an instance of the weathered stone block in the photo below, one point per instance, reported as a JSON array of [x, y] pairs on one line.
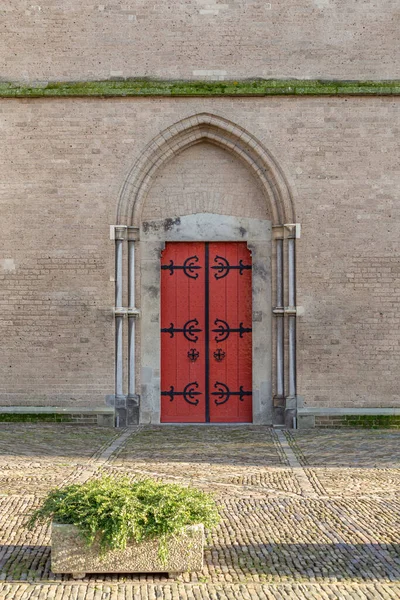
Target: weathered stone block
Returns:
[[105, 420], [305, 421]]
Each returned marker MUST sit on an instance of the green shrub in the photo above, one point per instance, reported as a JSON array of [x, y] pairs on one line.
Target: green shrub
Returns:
[[115, 511]]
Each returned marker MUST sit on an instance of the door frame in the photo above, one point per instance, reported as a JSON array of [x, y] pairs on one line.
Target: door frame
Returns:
[[205, 227]]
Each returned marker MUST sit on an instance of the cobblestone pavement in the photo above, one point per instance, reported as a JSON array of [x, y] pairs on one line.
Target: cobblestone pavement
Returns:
[[305, 514], [355, 462], [35, 458]]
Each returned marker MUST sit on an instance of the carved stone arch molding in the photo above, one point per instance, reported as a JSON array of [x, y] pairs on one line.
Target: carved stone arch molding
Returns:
[[205, 127], [149, 237]]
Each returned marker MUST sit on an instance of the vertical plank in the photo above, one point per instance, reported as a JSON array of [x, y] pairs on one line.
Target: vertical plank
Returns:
[[182, 303], [245, 342], [230, 305]]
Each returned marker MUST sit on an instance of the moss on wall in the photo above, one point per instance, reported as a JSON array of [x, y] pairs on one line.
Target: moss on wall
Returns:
[[359, 421], [152, 87], [34, 418]]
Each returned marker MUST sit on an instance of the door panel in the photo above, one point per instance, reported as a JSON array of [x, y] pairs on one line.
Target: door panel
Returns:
[[206, 345], [230, 372], [182, 331]]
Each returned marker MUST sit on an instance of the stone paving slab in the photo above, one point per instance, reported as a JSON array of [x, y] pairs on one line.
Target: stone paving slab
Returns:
[[285, 533]]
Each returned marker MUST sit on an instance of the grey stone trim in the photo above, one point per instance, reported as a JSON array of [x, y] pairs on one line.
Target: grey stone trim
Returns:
[[316, 411], [103, 416], [208, 228], [124, 232], [31, 410], [305, 421], [306, 415]]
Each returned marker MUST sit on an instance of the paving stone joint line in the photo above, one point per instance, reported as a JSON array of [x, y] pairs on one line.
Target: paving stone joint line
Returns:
[[100, 459], [298, 471]]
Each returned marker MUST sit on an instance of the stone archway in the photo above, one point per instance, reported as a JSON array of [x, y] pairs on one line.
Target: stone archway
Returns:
[[215, 130], [149, 237]]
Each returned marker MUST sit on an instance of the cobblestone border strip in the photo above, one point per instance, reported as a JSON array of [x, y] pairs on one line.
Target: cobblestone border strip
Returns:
[[310, 473], [100, 451], [100, 458], [243, 87], [278, 447], [199, 591], [306, 487]]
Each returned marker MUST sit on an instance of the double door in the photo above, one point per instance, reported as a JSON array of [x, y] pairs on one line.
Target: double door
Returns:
[[206, 335]]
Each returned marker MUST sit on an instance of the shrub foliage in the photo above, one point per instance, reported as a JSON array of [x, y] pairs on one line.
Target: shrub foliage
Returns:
[[116, 511]]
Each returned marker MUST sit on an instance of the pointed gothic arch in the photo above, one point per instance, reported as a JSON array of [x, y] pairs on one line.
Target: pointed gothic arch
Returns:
[[150, 238], [205, 127]]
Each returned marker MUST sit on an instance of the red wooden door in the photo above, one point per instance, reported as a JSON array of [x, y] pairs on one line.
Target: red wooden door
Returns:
[[206, 344]]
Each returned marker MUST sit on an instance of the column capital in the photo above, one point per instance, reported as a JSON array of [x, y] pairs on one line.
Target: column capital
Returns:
[[286, 231], [124, 232]]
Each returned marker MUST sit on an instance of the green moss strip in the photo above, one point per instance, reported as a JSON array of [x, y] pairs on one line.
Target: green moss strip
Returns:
[[152, 87], [361, 421], [34, 418]]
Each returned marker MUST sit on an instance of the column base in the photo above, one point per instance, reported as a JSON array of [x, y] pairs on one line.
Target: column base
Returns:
[[126, 409]]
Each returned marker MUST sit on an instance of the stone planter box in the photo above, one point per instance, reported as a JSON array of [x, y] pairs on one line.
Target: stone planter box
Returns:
[[70, 554]]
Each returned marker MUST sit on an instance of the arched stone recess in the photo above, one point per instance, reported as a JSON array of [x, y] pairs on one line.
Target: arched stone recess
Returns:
[[140, 238], [205, 178], [216, 130]]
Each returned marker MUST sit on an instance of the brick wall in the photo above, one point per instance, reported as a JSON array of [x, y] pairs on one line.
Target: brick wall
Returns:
[[197, 39], [64, 164], [56, 331]]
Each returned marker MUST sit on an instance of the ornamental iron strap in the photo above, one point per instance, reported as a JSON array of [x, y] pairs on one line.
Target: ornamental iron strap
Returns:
[[188, 267], [189, 330], [224, 393], [223, 267], [223, 330], [188, 393]]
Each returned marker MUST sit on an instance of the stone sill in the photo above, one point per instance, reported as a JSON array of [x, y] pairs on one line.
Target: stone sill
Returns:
[[102, 416], [321, 412], [33, 410]]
